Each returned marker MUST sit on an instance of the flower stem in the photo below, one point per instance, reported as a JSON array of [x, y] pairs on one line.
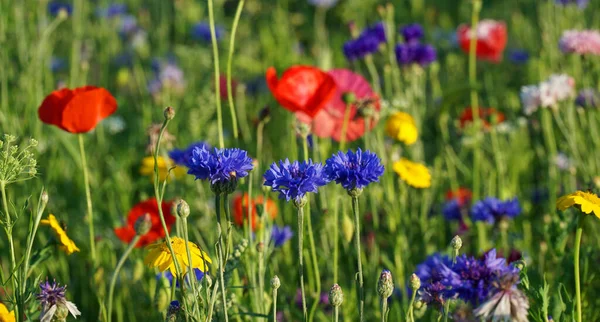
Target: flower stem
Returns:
[[474, 97], [409, 313], [8, 229], [361, 292], [336, 313], [336, 239], [274, 305], [345, 126], [373, 73], [315, 262], [220, 255], [213, 35], [578, 234], [384, 305], [113, 279], [238, 13], [88, 197], [191, 275], [229, 243], [301, 262]]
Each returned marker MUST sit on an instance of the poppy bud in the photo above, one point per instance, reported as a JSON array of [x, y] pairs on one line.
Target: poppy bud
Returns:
[[183, 209], [385, 285], [169, 113], [265, 114], [275, 282], [415, 282], [336, 296], [143, 225]]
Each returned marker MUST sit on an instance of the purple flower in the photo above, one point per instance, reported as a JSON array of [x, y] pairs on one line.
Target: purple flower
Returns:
[[182, 157], [51, 298], [412, 33], [506, 300], [294, 180], [492, 209], [588, 97], [280, 235], [580, 3], [167, 75], [201, 31], [582, 42], [354, 170], [415, 53], [367, 42], [113, 10], [222, 168], [128, 25], [452, 210]]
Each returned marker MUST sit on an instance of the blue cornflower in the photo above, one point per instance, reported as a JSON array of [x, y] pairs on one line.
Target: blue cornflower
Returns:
[[52, 299], [580, 3], [367, 42], [472, 278], [492, 209], [415, 53], [518, 56], [412, 33], [182, 157], [323, 3], [222, 167], [294, 180], [173, 310], [54, 7], [128, 25], [169, 276], [588, 97], [354, 171], [431, 269], [113, 10], [452, 210], [280, 235], [201, 31]]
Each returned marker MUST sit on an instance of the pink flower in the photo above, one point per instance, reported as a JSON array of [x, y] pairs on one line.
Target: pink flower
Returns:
[[223, 86], [329, 121], [584, 42]]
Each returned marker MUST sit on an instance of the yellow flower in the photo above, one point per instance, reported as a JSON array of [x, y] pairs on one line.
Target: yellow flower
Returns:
[[6, 316], [159, 256], [66, 243], [147, 168], [402, 127], [415, 174], [587, 202]]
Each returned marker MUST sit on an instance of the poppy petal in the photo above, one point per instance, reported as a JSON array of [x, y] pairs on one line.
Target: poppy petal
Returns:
[[88, 107], [51, 109]]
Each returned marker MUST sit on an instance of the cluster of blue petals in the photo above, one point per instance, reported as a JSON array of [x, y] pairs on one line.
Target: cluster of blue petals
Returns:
[[366, 43], [412, 51], [492, 209], [293, 180], [221, 166], [183, 156], [354, 170]]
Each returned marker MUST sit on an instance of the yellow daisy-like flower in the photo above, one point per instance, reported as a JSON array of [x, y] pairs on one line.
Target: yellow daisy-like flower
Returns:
[[415, 174], [402, 127], [587, 202], [147, 168], [160, 256], [6, 316], [66, 243]]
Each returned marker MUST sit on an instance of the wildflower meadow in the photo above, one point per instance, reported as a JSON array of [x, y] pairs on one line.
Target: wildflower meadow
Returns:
[[299, 160]]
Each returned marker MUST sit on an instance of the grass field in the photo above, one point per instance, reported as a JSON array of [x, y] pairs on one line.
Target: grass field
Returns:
[[448, 160]]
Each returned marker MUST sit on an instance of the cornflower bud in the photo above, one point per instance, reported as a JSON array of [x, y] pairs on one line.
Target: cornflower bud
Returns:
[[275, 282], [183, 209], [385, 285], [336, 296], [169, 113], [143, 224], [415, 282]]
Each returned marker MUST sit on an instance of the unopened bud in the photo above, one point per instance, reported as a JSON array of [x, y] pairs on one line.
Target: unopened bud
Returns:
[[520, 264], [173, 311], [415, 282], [336, 296], [385, 285], [275, 282], [456, 243], [348, 98], [143, 224], [260, 247], [169, 113], [63, 14], [301, 202], [418, 304], [183, 209]]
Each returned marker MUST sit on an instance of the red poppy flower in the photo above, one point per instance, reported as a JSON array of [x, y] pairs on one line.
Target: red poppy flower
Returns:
[[301, 88], [240, 209], [462, 195], [150, 206], [328, 123], [491, 39], [487, 115], [77, 110]]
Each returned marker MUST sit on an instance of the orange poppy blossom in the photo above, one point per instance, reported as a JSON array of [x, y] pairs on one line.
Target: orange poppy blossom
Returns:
[[77, 110], [240, 209]]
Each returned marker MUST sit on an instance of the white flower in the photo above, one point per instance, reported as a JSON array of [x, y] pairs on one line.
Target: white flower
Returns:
[[530, 98]]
